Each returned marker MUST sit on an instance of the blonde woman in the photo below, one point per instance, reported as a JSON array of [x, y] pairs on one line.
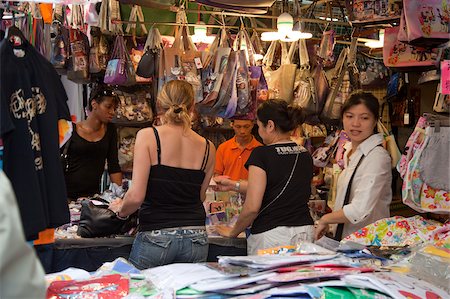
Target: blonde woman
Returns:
[[171, 171]]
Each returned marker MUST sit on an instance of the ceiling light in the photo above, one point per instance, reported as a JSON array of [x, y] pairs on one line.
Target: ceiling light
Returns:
[[285, 24], [200, 34], [376, 43]]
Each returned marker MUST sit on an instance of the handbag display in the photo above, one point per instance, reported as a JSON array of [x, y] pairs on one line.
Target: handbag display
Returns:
[[280, 81], [405, 57], [427, 22], [372, 72], [374, 11], [181, 60], [78, 66], [96, 220], [134, 105], [59, 52], [304, 88], [120, 69], [344, 79], [99, 52], [127, 139]]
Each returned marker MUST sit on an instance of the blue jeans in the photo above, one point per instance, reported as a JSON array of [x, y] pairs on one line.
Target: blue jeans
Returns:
[[172, 245]]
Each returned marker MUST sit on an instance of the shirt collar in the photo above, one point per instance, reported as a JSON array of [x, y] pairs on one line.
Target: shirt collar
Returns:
[[367, 145], [250, 146]]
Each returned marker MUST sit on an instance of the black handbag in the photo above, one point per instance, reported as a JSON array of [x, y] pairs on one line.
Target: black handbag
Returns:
[[99, 221]]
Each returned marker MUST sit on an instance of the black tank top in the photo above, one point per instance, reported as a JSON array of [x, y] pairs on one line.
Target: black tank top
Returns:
[[173, 195]]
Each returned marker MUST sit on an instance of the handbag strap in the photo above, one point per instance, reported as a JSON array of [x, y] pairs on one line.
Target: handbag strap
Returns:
[[340, 227], [284, 188], [66, 148]]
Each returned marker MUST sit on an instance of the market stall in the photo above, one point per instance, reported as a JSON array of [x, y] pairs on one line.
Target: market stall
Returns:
[[236, 55]]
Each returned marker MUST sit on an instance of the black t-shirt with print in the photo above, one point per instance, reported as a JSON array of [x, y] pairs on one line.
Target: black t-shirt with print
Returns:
[[86, 162], [291, 208], [31, 102]]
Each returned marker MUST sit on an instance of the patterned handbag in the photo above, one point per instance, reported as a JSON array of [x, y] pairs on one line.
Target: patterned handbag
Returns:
[[427, 22]]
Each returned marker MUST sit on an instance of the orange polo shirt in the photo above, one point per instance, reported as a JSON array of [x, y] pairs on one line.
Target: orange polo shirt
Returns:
[[230, 159]]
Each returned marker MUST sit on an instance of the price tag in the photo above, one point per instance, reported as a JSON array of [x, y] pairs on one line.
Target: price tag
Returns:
[[445, 77], [406, 119], [198, 63]]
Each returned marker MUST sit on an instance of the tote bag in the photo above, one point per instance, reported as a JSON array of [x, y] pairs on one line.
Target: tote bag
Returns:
[[427, 22], [280, 81]]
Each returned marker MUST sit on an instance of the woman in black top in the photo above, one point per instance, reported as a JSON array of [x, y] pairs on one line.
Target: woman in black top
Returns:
[[172, 168], [93, 142], [278, 186]]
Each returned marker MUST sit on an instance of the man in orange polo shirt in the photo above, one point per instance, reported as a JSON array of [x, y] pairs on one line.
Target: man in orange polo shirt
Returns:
[[232, 154]]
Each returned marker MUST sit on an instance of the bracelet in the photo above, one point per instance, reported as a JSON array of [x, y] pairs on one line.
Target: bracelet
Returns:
[[122, 218], [237, 186]]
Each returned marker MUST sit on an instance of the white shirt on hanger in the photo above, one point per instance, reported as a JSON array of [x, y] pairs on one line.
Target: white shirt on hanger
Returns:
[[371, 192]]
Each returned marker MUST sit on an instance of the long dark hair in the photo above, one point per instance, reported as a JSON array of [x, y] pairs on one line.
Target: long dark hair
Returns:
[[286, 118]]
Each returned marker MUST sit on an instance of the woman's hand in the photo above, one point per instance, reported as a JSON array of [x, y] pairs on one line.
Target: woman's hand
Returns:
[[321, 229], [224, 183], [116, 205], [224, 230]]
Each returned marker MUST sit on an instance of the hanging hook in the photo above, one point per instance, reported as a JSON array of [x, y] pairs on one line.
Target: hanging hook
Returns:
[[242, 22]]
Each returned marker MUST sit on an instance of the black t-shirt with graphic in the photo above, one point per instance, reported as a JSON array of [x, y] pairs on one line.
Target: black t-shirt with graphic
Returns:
[[31, 102], [291, 208], [86, 162]]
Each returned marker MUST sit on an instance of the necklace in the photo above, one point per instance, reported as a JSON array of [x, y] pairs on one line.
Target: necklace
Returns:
[[281, 142]]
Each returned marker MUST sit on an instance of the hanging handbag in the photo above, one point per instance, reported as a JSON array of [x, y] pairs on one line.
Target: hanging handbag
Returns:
[[98, 54], [304, 88], [59, 39], [120, 69], [96, 220], [78, 66], [149, 61], [427, 22], [214, 69], [247, 102], [373, 11], [372, 71], [280, 81], [404, 57], [180, 59], [345, 79]]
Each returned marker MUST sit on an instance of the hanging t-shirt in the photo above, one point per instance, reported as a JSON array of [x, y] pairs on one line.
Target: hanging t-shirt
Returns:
[[32, 99], [291, 208]]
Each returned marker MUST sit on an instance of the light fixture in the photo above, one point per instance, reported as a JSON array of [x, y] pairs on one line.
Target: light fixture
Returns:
[[200, 34], [376, 43], [285, 33]]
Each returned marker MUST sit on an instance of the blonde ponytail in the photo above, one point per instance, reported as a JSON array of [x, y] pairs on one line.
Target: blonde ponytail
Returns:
[[175, 102]]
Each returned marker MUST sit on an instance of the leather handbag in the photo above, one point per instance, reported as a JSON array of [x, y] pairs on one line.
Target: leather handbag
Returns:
[[99, 221]]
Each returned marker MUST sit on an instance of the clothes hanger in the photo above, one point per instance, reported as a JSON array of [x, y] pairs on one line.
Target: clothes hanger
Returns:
[[13, 34]]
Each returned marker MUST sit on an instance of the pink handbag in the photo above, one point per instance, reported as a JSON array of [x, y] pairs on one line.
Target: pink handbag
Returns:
[[427, 22], [405, 57]]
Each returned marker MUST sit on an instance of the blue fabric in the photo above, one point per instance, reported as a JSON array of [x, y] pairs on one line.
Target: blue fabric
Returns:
[[165, 246]]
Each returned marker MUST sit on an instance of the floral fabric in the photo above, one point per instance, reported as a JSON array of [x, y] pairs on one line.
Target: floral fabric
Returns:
[[400, 231]]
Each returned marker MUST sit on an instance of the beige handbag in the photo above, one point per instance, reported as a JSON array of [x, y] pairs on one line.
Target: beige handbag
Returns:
[[389, 144], [280, 81]]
